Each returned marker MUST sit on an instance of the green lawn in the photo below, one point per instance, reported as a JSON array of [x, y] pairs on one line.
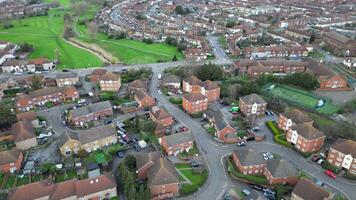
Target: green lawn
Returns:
[[23, 181], [197, 179], [98, 157], [302, 98], [62, 2], [35, 178], [10, 181], [44, 33]]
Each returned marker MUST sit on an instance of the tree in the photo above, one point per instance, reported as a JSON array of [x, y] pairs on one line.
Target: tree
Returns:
[[147, 126], [174, 58], [25, 48], [312, 38], [179, 10], [7, 117], [6, 22], [132, 194], [36, 82], [350, 106], [209, 72], [304, 80], [130, 162], [280, 190], [93, 29], [230, 24]]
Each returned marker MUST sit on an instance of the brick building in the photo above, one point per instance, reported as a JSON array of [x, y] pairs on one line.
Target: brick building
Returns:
[[248, 161], [10, 161], [96, 75], [194, 102], [66, 79], [307, 190], [340, 44], [91, 112], [252, 106], [176, 143], [143, 99], [110, 82], [343, 156], [141, 84], [207, 88], [162, 119], [163, 179], [23, 134], [291, 118], [281, 172], [224, 131], [305, 137]]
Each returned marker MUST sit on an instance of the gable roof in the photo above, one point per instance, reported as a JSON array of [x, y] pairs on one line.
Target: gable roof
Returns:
[[31, 115], [144, 158], [192, 80], [96, 184], [141, 95], [91, 108], [159, 113], [297, 116], [64, 75], [193, 97], [10, 156], [22, 130], [178, 138], [109, 76], [307, 131], [31, 191], [170, 78], [249, 157], [346, 147], [138, 84], [281, 168], [95, 134], [252, 98], [307, 190]]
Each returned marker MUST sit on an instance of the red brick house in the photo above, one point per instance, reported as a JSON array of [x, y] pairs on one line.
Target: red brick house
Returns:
[[248, 161], [110, 82], [343, 156], [305, 137], [207, 88], [224, 131], [308, 190], [162, 119], [24, 102], [91, 112], [194, 102], [291, 118], [176, 143], [23, 134], [340, 44], [11, 160], [96, 75], [141, 84], [281, 172], [195, 54], [143, 99], [100, 187], [163, 179], [252, 106]]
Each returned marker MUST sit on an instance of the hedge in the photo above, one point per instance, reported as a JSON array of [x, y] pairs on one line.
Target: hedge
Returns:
[[279, 136], [326, 165], [177, 101]]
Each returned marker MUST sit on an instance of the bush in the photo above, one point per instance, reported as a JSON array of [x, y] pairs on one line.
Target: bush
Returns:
[[187, 189], [197, 115], [105, 96], [327, 165], [279, 136], [176, 101]]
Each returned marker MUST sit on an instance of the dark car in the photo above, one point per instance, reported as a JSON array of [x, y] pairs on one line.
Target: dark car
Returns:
[[120, 154], [256, 187], [107, 121], [146, 109], [137, 147], [227, 196], [65, 70]]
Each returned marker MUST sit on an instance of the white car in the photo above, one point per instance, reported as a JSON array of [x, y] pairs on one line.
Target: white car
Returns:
[[180, 92], [159, 92], [169, 93]]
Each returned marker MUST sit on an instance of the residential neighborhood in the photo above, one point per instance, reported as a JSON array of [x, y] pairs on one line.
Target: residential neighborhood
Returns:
[[184, 99]]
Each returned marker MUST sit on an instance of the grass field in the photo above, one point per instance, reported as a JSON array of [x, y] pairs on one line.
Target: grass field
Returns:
[[303, 98], [44, 33]]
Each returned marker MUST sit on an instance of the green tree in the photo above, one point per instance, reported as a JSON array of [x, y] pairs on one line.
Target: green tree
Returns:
[[209, 72], [36, 82], [230, 24], [7, 117], [147, 126], [304, 80], [312, 38], [174, 58], [130, 162], [132, 194], [280, 190], [179, 10]]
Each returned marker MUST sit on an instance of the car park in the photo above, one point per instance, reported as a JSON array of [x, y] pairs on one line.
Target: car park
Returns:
[[330, 173]]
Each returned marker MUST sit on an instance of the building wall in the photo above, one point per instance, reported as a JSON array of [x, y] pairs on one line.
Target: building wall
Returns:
[[108, 193], [99, 144], [213, 95], [14, 165], [113, 86], [67, 81], [165, 122], [192, 107], [227, 130], [72, 145], [26, 144], [304, 144], [91, 116], [176, 148], [336, 159], [160, 190], [253, 169], [285, 180], [246, 109]]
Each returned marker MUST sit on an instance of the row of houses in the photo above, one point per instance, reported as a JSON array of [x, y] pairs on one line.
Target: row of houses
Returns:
[[291, 51]]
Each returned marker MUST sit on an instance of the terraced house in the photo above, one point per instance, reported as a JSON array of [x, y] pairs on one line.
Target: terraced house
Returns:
[[224, 131], [177, 143], [25, 102], [343, 156], [23, 135], [66, 79], [100, 187], [91, 112], [307, 190], [10, 161], [163, 179], [89, 140], [162, 119]]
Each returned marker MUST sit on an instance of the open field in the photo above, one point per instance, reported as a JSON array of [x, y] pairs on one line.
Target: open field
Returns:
[[302, 98], [44, 33]]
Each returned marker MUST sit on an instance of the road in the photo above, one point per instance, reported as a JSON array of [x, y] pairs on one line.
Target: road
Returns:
[[218, 182], [219, 52]]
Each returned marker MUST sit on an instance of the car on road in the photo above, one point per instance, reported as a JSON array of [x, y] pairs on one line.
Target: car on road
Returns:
[[246, 192], [256, 128], [159, 92], [330, 173], [241, 144], [256, 187], [315, 158], [269, 155], [107, 121], [124, 70], [227, 196], [120, 154], [320, 183], [320, 161]]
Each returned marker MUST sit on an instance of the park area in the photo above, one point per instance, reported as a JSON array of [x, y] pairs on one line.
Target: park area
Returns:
[[301, 98]]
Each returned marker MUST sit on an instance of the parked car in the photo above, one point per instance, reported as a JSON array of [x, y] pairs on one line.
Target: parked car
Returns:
[[330, 173], [256, 187], [320, 183], [169, 93], [256, 128], [241, 144], [159, 92], [227, 196], [137, 147], [120, 154], [246, 192], [315, 158], [107, 121], [267, 113], [195, 163], [269, 155], [320, 161], [180, 92]]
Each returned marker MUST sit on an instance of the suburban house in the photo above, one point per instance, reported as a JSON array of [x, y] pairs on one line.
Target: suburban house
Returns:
[[207, 88], [291, 118], [40, 64], [163, 179], [308, 190], [66, 79], [110, 82], [29, 116], [140, 84], [91, 112], [305, 137], [248, 161], [88, 140], [340, 44], [276, 52], [252, 106], [10, 161], [23, 134], [99, 187], [281, 172], [177, 143], [7, 51], [143, 99], [194, 54], [328, 80], [96, 75], [194, 102], [171, 81], [343, 156], [224, 131], [24, 102], [162, 119]]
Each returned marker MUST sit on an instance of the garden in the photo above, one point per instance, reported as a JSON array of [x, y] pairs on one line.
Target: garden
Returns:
[[190, 179]]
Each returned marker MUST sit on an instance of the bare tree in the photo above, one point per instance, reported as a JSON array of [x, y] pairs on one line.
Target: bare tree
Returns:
[[80, 8], [93, 30]]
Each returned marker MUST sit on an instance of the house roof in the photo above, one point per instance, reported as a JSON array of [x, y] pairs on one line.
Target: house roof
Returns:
[[64, 75], [192, 80], [109, 76], [210, 85], [307, 131], [22, 130], [319, 69], [45, 91], [91, 108], [96, 184], [179, 138], [63, 190], [253, 98], [159, 113], [138, 84], [307, 190], [193, 97], [219, 120], [9, 156], [297, 116], [143, 158], [281, 168], [171, 79], [249, 157], [31, 115], [141, 95], [88, 136], [99, 72], [336, 36], [346, 147], [31, 191]]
